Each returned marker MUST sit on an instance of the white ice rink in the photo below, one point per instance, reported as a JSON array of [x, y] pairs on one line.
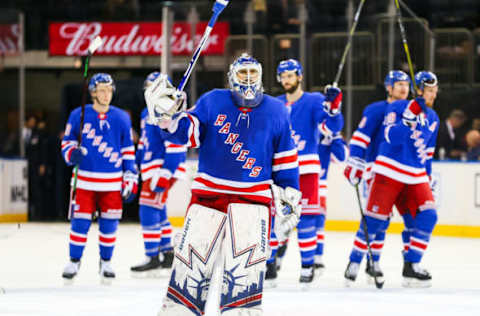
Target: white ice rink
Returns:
[[32, 258]]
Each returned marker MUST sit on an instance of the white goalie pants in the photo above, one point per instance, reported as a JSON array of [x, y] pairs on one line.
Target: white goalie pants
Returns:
[[239, 234]]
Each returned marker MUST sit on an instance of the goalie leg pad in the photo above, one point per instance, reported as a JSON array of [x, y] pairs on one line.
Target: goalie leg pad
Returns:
[[245, 249], [195, 256]]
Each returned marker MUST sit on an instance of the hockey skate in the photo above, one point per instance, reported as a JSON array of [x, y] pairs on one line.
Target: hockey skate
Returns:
[[307, 275], [351, 273], [271, 275], [415, 277], [106, 272], [373, 272], [70, 271], [150, 268], [167, 259], [319, 265]]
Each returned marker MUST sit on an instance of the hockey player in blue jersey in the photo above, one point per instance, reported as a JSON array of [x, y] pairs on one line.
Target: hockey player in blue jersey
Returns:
[[161, 164], [106, 172], [245, 152], [309, 113], [402, 170], [364, 147]]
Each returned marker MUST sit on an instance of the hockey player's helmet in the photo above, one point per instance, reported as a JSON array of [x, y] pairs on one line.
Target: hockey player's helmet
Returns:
[[152, 77], [245, 81], [100, 78], [425, 79], [292, 65], [395, 76]]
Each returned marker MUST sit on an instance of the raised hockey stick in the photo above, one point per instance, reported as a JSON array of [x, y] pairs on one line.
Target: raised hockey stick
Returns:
[[217, 9], [349, 43], [378, 284], [94, 45], [405, 45]]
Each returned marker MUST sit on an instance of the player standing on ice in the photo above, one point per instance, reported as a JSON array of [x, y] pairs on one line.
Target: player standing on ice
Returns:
[[309, 113], [364, 147], [402, 170], [106, 173], [161, 164], [245, 151]]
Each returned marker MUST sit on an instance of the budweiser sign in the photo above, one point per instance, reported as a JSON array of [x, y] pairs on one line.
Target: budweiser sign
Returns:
[[9, 39], [72, 38]]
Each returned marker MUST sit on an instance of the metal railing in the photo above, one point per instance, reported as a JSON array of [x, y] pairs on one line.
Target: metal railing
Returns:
[[454, 56], [326, 51]]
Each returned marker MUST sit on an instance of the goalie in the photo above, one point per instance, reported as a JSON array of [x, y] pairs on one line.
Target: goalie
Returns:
[[245, 148]]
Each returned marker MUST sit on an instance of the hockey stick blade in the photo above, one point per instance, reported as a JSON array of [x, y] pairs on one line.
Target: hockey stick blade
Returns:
[[94, 45], [378, 284]]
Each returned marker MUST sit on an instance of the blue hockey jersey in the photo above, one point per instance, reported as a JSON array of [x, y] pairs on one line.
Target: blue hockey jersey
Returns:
[[241, 151], [306, 115], [406, 154], [365, 141], [109, 143], [154, 152]]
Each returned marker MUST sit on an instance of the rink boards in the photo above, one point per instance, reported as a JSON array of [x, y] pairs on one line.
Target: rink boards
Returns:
[[457, 198], [13, 190]]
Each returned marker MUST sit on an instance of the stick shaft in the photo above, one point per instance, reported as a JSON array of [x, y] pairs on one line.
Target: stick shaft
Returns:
[[349, 43], [405, 44]]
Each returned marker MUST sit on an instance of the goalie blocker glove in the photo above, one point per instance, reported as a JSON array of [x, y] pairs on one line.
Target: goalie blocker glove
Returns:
[[288, 210]]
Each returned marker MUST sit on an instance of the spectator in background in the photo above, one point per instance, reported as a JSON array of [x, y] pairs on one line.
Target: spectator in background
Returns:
[[473, 143], [449, 142]]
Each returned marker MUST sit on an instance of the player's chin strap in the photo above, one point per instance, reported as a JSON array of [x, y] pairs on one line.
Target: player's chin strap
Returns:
[[288, 210]]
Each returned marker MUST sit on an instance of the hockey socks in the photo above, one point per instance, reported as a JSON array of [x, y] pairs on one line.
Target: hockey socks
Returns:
[[166, 238], [320, 225], [151, 229], [307, 239], [273, 243], [409, 223], [424, 224], [375, 227], [78, 237], [107, 237]]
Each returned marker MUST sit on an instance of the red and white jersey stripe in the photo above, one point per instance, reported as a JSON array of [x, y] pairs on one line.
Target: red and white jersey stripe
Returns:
[[259, 191], [174, 148], [285, 160], [193, 129], [128, 153], [360, 139], [99, 181], [398, 171], [309, 163]]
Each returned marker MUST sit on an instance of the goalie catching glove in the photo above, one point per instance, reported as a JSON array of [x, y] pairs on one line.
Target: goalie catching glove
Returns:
[[288, 210], [163, 101]]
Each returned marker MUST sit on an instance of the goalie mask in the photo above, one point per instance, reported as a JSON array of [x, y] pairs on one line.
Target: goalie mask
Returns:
[[245, 80]]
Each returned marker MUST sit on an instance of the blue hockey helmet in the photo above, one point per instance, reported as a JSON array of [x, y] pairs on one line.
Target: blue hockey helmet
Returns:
[[395, 76], [152, 77], [100, 78], [245, 81], [425, 79], [289, 65]]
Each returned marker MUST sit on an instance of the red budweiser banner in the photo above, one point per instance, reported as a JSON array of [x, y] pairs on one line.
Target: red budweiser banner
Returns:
[[72, 38], [9, 39]]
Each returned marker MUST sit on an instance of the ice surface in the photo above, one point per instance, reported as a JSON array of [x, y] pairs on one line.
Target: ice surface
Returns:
[[32, 258]]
